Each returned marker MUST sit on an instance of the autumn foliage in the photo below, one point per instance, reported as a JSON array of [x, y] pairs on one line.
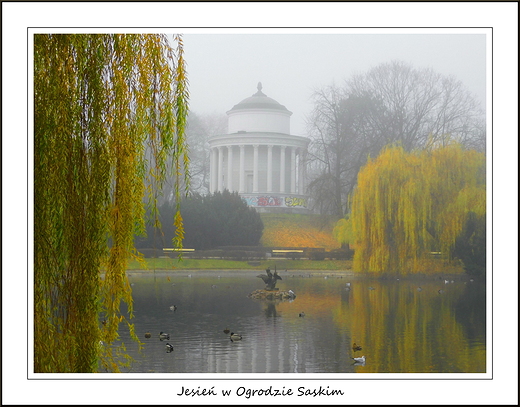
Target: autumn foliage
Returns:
[[408, 205], [109, 114], [293, 230]]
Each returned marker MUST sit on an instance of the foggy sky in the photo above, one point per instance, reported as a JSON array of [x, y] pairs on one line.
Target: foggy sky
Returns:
[[224, 69]]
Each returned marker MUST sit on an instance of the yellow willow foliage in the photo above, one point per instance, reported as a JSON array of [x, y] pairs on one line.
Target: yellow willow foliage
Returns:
[[408, 204], [100, 102]]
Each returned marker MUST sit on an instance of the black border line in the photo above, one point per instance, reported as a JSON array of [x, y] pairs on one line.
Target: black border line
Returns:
[[29, 69]]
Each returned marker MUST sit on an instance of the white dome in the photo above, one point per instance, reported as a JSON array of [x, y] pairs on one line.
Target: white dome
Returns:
[[259, 113], [259, 101]]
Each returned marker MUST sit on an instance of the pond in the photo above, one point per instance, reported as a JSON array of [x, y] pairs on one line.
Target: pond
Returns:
[[402, 325]]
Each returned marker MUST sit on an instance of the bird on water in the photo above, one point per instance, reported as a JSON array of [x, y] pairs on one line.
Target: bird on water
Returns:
[[163, 336]]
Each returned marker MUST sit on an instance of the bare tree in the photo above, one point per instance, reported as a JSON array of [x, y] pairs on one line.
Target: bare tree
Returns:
[[419, 104], [392, 103], [200, 128], [344, 131]]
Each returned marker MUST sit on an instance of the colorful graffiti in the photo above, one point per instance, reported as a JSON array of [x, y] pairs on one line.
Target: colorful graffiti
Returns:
[[263, 200], [292, 201], [270, 201], [249, 200]]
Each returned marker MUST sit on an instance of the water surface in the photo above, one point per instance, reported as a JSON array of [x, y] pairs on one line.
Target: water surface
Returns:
[[403, 326]]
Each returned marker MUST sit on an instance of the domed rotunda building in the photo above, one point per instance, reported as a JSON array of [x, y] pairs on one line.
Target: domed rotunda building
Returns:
[[259, 158]]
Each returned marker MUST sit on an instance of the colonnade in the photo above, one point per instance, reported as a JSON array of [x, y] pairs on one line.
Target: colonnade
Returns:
[[273, 168]]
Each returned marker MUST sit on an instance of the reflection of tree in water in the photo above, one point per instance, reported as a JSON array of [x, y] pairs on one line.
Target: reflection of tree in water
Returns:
[[270, 309], [470, 310]]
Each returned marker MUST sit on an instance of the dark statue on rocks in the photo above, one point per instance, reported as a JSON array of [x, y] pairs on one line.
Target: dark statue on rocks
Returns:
[[270, 279], [270, 292]]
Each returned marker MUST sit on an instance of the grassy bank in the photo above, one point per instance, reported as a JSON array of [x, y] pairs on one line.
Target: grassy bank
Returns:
[[217, 264]]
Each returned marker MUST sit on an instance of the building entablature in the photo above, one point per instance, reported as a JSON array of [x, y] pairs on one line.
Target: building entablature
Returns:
[[259, 138]]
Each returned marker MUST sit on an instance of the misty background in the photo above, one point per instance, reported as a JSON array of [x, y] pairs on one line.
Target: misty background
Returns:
[[225, 68]]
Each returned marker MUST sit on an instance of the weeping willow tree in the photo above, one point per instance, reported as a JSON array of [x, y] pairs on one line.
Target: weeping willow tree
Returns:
[[407, 205], [109, 110]]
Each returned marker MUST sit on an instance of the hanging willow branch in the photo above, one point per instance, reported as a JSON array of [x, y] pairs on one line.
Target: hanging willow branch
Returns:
[[407, 205], [100, 103]]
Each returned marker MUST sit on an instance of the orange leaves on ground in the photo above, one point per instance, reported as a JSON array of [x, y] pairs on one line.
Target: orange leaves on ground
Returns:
[[296, 231]]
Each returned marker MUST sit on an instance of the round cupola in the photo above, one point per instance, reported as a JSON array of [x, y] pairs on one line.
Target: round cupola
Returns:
[[259, 113]]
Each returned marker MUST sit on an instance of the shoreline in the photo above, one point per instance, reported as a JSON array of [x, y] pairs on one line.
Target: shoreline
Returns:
[[312, 273]]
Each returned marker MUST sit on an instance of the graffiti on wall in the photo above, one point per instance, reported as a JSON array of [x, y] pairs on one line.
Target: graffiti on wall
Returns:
[[275, 201], [292, 202], [249, 200], [269, 201]]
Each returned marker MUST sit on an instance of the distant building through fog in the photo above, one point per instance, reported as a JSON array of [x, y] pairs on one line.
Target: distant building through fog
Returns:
[[259, 158]]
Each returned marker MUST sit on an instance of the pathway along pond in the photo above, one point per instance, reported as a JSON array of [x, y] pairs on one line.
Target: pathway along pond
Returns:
[[402, 326]]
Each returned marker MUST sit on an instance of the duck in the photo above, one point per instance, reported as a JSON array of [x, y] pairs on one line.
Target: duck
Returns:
[[359, 360], [371, 288], [169, 348], [163, 336], [226, 331], [419, 288], [301, 314], [235, 337], [173, 307], [147, 335], [356, 347]]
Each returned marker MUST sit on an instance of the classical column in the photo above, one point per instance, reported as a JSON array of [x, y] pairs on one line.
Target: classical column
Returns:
[[242, 170], [293, 170], [213, 170], [282, 169], [230, 168], [219, 169], [302, 157], [270, 168], [255, 169]]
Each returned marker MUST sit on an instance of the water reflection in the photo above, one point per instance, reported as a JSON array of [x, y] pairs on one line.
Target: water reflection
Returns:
[[399, 327]]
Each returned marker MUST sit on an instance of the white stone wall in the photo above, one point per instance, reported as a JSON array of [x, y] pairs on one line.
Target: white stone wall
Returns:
[[259, 121]]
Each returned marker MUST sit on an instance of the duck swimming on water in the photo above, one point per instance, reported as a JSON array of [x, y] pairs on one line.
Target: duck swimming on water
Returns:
[[226, 331], [169, 348], [235, 337], [356, 347], [163, 336]]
